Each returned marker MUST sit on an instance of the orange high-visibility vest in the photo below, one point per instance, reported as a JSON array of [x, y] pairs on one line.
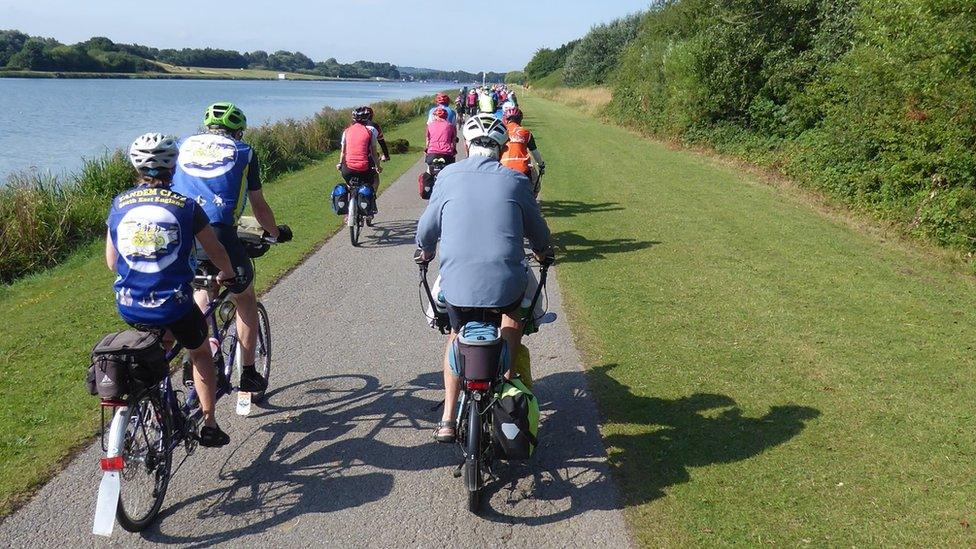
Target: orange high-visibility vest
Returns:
[[516, 153]]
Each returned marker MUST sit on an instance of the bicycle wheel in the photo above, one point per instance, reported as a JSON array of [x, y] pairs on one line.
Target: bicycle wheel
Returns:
[[147, 453], [472, 462], [262, 349], [355, 228]]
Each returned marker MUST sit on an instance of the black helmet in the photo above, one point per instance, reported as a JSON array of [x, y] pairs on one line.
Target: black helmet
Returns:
[[360, 114]]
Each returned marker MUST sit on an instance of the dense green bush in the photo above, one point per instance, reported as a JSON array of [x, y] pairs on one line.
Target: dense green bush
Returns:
[[44, 218], [597, 54], [871, 101], [515, 77], [547, 60]]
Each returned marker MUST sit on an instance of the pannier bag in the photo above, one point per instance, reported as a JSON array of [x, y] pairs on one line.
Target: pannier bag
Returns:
[[425, 185], [515, 421], [339, 203], [479, 352], [123, 363], [367, 201]]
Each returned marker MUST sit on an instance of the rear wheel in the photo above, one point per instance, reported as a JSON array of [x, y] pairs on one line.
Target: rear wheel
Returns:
[[262, 349], [472, 463], [356, 225], [147, 454]]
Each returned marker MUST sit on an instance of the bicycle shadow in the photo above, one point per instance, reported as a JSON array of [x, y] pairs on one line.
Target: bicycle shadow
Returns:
[[693, 431], [312, 461], [576, 248], [573, 208], [388, 234]]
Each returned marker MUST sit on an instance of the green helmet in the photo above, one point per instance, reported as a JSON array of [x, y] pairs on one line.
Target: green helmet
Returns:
[[226, 115]]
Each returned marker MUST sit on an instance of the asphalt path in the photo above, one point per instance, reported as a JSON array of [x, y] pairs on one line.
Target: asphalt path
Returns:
[[341, 453]]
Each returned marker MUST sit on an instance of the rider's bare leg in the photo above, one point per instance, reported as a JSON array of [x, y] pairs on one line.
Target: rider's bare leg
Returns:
[[452, 384], [247, 323], [512, 334], [205, 381]]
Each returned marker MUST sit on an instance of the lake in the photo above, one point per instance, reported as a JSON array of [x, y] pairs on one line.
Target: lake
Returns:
[[50, 124]]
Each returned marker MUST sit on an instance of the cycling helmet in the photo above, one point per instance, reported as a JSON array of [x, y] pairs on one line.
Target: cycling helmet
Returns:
[[153, 151], [485, 127], [512, 113], [442, 99], [440, 112], [225, 115], [360, 114], [369, 111]]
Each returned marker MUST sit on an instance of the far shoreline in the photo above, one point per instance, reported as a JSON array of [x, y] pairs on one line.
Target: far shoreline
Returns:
[[54, 75]]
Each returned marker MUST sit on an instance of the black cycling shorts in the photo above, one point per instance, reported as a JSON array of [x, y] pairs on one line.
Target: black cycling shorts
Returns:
[[448, 159], [243, 267], [459, 316], [369, 177], [190, 330]]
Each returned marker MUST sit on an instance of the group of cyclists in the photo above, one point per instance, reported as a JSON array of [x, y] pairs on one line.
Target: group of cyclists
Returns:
[[191, 192]]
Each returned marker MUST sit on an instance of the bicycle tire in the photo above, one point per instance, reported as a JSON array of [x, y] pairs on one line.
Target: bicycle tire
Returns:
[[262, 350], [472, 463], [354, 230], [157, 461]]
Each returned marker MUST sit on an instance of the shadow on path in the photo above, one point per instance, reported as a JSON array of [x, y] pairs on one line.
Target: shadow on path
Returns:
[[388, 234]]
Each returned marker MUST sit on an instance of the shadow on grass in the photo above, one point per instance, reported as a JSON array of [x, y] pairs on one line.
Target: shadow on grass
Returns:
[[573, 208], [693, 431], [576, 248]]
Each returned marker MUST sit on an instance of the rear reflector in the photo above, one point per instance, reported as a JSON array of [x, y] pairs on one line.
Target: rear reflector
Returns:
[[112, 402], [113, 464], [477, 385]]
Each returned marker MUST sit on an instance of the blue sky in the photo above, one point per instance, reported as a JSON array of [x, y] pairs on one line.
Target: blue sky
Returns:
[[444, 34]]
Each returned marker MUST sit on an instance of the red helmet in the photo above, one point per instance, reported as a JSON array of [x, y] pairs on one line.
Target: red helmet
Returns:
[[514, 114], [440, 112], [442, 99]]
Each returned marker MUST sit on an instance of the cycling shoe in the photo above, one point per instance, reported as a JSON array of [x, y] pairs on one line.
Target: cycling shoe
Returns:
[[213, 437], [252, 381]]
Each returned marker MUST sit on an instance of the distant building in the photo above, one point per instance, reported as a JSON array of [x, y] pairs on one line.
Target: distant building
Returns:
[[281, 76]]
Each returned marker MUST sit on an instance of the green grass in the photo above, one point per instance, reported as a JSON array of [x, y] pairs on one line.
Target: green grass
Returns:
[[766, 375], [51, 321], [551, 80]]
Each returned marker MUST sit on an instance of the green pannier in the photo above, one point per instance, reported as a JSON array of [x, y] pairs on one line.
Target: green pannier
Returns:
[[515, 421]]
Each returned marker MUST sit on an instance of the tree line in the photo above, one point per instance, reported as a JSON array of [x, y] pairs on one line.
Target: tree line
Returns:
[[870, 101], [19, 51]]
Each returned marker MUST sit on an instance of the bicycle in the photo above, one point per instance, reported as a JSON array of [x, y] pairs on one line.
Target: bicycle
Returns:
[[149, 425], [481, 376], [360, 208]]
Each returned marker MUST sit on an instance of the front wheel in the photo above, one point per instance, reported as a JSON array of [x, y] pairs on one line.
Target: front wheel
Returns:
[[472, 464], [147, 454]]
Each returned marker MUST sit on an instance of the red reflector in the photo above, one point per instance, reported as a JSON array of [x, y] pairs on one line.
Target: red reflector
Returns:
[[477, 385], [113, 464], [112, 402]]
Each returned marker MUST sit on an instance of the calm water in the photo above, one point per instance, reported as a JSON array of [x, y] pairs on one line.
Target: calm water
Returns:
[[49, 125]]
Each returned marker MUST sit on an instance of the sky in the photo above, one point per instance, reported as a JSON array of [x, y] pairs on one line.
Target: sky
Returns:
[[419, 33]]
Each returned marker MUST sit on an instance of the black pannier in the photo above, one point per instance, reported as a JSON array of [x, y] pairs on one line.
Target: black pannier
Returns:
[[126, 362]]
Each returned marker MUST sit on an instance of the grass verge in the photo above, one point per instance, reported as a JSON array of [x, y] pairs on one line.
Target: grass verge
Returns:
[[766, 375], [52, 320]]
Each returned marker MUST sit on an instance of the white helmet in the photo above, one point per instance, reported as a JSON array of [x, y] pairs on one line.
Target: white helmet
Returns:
[[485, 125], [153, 151]]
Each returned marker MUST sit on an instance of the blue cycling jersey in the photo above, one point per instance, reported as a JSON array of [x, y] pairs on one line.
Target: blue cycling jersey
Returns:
[[214, 170], [153, 229]]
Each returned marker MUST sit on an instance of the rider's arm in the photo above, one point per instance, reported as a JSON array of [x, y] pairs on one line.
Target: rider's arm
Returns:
[[429, 226], [534, 152], [536, 229], [215, 251], [384, 148], [342, 150], [262, 212], [374, 147], [111, 254]]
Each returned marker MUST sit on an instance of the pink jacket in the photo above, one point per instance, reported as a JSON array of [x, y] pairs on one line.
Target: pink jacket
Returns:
[[441, 136]]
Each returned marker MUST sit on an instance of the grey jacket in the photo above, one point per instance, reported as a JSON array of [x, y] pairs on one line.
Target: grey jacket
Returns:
[[481, 212]]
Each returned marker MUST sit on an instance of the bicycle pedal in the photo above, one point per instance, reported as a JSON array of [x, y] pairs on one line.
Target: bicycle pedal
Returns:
[[457, 471]]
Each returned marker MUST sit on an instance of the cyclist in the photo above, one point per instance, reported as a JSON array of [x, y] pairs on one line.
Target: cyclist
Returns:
[[149, 244], [480, 212], [487, 101], [471, 102], [358, 155], [442, 101], [520, 153], [441, 138], [215, 168]]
